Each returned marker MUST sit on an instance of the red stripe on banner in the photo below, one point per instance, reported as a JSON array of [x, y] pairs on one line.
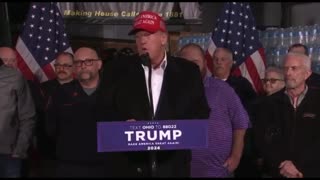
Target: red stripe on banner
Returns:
[[252, 70], [49, 71], [23, 67]]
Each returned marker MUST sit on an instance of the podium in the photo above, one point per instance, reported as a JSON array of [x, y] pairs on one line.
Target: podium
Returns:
[[157, 135]]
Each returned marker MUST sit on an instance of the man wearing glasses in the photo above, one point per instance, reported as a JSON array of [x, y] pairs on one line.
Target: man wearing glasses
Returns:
[[273, 80], [64, 74], [72, 113]]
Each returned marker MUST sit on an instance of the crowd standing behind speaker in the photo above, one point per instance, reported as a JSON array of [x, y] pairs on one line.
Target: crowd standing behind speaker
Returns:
[[274, 135]]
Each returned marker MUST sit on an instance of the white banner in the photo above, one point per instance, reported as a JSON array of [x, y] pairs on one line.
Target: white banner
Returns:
[[128, 10]]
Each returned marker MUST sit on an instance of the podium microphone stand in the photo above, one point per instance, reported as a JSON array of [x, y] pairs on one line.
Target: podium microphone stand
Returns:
[[152, 154]]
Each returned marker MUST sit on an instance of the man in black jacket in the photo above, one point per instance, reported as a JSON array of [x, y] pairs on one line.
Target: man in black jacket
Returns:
[[63, 67], [288, 123], [72, 113], [177, 93]]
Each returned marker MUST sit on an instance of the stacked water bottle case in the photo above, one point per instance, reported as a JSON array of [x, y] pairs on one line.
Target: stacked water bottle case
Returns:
[[276, 42]]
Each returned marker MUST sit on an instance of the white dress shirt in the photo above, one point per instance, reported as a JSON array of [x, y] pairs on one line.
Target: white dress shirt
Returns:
[[156, 81]]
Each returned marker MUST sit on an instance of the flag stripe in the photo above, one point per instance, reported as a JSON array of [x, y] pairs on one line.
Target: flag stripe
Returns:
[[244, 70], [30, 61], [259, 63], [209, 54], [23, 67], [236, 30], [249, 71], [43, 37], [212, 47], [49, 71]]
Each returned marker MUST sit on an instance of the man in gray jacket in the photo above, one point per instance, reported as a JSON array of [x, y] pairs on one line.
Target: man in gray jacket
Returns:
[[17, 120]]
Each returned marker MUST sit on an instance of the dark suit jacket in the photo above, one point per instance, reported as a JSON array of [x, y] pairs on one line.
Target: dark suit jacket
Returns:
[[244, 90], [182, 97], [46, 145], [314, 80]]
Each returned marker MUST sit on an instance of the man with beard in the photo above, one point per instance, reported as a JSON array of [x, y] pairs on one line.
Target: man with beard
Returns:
[[288, 123], [72, 114], [314, 79]]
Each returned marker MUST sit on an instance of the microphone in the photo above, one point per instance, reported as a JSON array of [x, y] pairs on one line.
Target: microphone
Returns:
[[146, 61]]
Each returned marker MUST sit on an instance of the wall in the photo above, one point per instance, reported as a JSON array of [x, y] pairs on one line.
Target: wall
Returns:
[[121, 31], [305, 14], [272, 14], [266, 14]]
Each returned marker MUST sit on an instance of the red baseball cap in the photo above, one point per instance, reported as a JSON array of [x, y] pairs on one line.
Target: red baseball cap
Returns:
[[148, 21]]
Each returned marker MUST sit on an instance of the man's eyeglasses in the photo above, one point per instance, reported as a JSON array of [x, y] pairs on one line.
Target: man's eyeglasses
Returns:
[[62, 65], [87, 62], [271, 80]]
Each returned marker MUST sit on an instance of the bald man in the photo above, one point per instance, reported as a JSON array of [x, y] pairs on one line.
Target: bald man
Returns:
[[222, 67], [72, 114], [17, 117], [227, 124], [9, 56], [87, 66]]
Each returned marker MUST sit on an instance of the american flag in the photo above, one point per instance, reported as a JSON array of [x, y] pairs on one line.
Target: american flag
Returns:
[[42, 38], [236, 31]]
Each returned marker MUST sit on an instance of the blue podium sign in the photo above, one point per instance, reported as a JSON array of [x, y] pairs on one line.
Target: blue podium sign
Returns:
[[152, 135]]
